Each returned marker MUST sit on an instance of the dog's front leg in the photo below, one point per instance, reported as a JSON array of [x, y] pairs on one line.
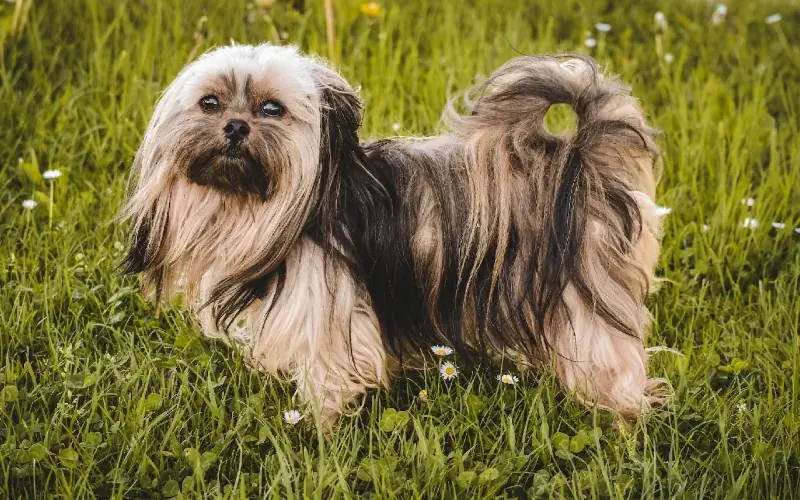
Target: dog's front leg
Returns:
[[320, 332]]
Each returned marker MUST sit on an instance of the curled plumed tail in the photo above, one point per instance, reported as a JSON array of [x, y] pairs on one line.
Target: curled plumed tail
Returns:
[[581, 239]]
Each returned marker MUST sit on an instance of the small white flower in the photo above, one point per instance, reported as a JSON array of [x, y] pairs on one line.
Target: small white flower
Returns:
[[508, 379], [442, 350], [741, 407], [774, 18], [668, 57], [292, 417], [706, 227], [661, 21], [603, 27], [750, 223], [448, 370], [590, 42], [778, 225], [396, 127], [29, 204], [51, 174], [662, 211], [797, 230], [719, 14], [748, 201]]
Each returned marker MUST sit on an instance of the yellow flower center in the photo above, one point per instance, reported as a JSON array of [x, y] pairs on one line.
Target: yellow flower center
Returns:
[[371, 9]]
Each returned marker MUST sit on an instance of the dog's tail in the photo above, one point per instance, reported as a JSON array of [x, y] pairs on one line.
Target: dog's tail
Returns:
[[583, 235]]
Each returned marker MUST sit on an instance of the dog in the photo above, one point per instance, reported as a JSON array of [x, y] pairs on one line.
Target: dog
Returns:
[[328, 261]]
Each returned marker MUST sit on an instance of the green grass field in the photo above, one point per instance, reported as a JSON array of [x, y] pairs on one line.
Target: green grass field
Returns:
[[99, 396]]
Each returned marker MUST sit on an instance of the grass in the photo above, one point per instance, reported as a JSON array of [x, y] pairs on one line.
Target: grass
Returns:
[[99, 396]]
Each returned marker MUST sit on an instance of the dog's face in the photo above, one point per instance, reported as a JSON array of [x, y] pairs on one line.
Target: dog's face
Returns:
[[237, 159], [240, 119]]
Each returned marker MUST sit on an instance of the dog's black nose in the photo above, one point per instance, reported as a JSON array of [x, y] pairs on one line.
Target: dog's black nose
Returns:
[[236, 130]]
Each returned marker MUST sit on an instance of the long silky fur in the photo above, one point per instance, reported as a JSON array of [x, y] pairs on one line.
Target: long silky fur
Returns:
[[511, 207], [494, 234], [506, 236]]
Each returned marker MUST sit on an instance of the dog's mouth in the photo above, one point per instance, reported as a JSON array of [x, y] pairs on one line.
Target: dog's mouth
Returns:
[[232, 170]]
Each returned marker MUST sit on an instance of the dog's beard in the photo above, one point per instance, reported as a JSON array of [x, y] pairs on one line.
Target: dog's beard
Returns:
[[232, 170]]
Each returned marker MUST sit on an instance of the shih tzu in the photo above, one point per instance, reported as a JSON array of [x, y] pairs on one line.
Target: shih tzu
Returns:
[[329, 261]]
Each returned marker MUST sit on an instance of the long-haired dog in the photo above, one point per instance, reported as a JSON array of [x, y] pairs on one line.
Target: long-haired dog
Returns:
[[327, 260]]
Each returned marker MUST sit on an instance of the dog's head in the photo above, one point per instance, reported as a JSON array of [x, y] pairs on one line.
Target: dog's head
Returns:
[[237, 159]]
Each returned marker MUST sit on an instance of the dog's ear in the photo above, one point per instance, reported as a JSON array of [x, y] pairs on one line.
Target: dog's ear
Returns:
[[340, 118]]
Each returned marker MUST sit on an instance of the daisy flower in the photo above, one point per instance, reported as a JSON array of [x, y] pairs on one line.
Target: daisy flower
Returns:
[[590, 42], [448, 370], [292, 417], [442, 350], [51, 174], [750, 223], [29, 204], [602, 27], [719, 14], [774, 18], [661, 21], [508, 379], [778, 225]]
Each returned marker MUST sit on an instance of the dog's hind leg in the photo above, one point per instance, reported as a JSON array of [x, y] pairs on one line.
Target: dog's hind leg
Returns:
[[594, 358]]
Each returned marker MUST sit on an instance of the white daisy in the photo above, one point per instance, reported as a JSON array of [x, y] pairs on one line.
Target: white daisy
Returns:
[[778, 225], [442, 350], [668, 57], [603, 27], [590, 42], [662, 211], [774, 18], [719, 14], [661, 21], [396, 127], [51, 174], [448, 370], [292, 417], [508, 379], [750, 223], [748, 201], [29, 204]]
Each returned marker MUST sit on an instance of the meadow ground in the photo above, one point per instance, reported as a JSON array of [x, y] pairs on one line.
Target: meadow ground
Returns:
[[98, 396]]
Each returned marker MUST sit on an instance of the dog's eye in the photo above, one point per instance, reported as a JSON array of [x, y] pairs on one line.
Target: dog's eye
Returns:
[[271, 108], [209, 103]]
